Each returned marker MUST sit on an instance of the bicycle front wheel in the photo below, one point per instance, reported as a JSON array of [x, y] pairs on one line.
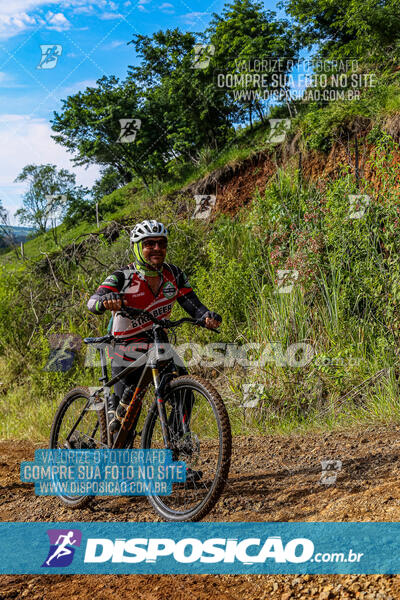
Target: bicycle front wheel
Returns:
[[204, 443]]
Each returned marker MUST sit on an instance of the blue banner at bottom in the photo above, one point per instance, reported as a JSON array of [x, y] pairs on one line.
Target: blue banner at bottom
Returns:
[[199, 548]]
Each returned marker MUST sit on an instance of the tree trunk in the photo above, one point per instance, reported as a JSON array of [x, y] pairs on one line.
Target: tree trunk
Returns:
[[260, 112]]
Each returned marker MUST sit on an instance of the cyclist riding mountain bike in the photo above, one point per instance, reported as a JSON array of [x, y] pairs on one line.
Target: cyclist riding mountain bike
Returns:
[[147, 283]]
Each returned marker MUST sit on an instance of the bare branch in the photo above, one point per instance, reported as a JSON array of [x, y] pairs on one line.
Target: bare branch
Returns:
[[51, 269]]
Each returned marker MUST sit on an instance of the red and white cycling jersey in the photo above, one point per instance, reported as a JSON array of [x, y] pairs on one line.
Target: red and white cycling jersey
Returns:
[[135, 290]]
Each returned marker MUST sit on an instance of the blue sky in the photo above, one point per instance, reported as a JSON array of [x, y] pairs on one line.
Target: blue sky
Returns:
[[93, 35]]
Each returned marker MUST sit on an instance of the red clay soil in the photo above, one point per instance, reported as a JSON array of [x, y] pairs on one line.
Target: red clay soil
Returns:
[[236, 184], [239, 191], [281, 482]]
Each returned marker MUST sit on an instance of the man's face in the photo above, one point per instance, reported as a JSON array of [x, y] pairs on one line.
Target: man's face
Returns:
[[154, 250]]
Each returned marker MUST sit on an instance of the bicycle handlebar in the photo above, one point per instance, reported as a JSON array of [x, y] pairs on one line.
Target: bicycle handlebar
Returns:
[[165, 323]]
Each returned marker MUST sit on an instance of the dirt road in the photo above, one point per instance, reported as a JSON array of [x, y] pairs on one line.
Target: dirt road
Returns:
[[272, 479]]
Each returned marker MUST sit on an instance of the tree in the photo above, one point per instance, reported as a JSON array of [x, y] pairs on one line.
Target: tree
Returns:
[[90, 127], [244, 35], [179, 107], [182, 102], [85, 208], [49, 193], [80, 209], [6, 233], [365, 29], [109, 181]]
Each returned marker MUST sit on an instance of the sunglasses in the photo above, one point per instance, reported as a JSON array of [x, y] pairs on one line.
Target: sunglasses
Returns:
[[153, 243]]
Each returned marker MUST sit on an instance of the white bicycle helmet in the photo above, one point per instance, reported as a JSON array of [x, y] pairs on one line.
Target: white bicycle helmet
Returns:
[[148, 228]]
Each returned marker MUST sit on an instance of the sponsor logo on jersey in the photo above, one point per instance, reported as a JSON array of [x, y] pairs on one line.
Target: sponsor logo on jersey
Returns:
[[169, 290]]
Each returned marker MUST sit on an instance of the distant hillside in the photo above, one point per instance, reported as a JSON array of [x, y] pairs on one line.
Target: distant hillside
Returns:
[[18, 233]]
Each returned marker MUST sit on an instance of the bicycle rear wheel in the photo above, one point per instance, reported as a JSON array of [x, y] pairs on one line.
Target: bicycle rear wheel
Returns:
[[89, 431], [205, 448]]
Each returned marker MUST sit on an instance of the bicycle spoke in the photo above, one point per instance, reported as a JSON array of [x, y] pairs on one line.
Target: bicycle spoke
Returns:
[[199, 447], [77, 426]]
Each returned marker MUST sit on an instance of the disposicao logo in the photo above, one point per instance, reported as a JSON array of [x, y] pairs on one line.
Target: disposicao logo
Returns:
[[62, 547], [190, 550]]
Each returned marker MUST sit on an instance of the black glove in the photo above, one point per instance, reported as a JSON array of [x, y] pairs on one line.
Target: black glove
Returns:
[[110, 296], [211, 315]]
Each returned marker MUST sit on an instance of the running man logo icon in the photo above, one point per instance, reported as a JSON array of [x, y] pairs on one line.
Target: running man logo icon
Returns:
[[358, 205], [204, 206], [252, 393], [202, 55], [50, 55], [62, 547], [330, 471], [279, 128], [129, 129], [62, 351], [286, 280]]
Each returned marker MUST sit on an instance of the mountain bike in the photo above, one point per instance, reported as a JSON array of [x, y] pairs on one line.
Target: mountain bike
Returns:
[[187, 416]]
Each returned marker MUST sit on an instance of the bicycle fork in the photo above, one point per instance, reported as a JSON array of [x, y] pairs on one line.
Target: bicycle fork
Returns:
[[161, 408]]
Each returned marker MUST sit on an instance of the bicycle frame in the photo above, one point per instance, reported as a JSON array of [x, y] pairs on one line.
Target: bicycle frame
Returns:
[[148, 361]]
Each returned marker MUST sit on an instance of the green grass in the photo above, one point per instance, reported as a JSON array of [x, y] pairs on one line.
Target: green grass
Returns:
[[344, 304]]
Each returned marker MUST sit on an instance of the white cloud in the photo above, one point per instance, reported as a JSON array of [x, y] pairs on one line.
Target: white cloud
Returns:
[[114, 44], [167, 8], [108, 16], [25, 140], [11, 25], [17, 16], [194, 17], [84, 6], [78, 3], [57, 22], [84, 10], [17, 7]]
